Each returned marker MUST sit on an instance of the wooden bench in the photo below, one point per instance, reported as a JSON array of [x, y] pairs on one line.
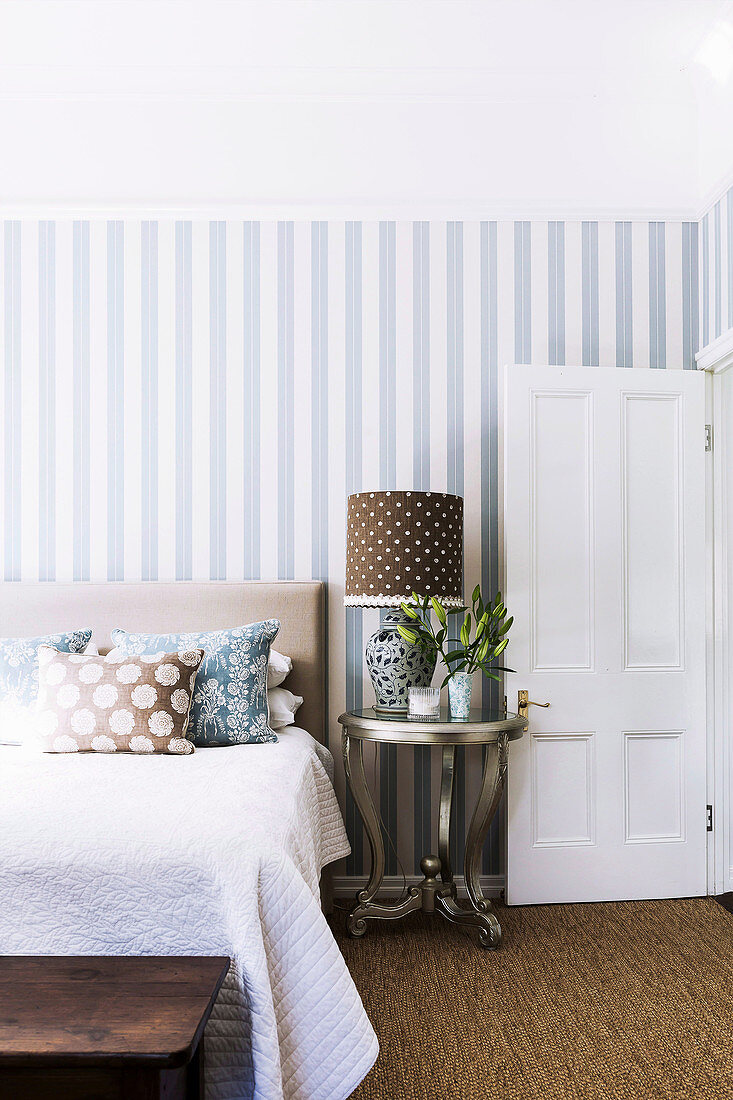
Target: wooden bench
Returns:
[[105, 1028]]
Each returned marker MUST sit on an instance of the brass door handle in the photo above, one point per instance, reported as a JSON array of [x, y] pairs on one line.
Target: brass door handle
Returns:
[[524, 703]]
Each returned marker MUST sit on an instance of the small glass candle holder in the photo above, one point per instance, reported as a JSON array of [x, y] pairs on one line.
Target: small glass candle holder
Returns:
[[423, 704]]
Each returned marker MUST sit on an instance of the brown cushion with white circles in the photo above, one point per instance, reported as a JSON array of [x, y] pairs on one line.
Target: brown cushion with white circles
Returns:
[[116, 703]]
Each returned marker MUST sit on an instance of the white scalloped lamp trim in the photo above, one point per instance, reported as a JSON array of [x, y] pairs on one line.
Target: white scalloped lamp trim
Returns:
[[397, 601]]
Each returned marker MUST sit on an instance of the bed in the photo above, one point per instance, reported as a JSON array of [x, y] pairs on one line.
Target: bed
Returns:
[[220, 852]]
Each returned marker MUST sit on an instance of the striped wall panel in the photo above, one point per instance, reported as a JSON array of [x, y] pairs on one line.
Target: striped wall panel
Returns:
[[716, 269], [195, 399]]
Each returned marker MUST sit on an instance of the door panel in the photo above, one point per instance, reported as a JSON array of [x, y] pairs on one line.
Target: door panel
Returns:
[[562, 541], [605, 575], [652, 518]]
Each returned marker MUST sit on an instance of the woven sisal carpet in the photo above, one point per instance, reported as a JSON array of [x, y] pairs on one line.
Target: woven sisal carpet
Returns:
[[599, 1002]]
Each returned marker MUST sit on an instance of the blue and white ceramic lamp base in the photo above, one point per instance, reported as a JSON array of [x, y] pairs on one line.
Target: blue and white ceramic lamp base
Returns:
[[395, 665]]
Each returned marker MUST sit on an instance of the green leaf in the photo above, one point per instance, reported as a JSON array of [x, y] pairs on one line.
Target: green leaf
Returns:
[[465, 629], [409, 611], [505, 626], [476, 594], [409, 635], [439, 610], [501, 646], [484, 649]]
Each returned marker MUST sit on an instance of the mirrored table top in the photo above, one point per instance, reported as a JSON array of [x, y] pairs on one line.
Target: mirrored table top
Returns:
[[478, 728]]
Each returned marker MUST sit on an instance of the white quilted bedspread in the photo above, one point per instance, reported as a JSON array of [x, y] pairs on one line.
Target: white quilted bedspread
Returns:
[[218, 853]]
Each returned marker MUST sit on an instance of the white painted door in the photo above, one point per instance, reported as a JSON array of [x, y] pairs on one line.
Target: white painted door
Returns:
[[605, 576]]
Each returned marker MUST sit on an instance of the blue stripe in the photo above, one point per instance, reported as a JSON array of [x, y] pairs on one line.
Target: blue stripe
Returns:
[[590, 312], [115, 401], [455, 433], [624, 315], [422, 803], [523, 292], [319, 398], [286, 417], [387, 480], [149, 411], [421, 355], [422, 757], [13, 409], [319, 409], [184, 402], [454, 308], [657, 296], [354, 624], [217, 400], [388, 458], [47, 400], [387, 358], [690, 289], [491, 691], [251, 425], [81, 401], [705, 297], [556, 292]]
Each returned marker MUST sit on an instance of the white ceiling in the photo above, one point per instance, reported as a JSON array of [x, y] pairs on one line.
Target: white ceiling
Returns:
[[492, 106]]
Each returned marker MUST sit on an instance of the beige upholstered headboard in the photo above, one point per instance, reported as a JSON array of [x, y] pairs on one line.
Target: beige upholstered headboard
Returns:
[[163, 607]]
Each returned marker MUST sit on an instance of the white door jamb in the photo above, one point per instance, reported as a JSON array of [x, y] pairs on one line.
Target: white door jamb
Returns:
[[715, 359]]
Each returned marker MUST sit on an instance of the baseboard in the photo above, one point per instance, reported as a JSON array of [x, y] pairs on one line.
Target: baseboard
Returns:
[[347, 885]]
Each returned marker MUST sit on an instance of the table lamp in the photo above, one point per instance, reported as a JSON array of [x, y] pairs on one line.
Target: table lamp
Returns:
[[397, 543]]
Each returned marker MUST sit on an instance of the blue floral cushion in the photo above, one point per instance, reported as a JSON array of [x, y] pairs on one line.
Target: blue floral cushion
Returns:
[[19, 676], [230, 694]]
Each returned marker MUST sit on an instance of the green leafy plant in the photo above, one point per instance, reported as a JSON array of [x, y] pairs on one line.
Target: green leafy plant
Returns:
[[487, 622]]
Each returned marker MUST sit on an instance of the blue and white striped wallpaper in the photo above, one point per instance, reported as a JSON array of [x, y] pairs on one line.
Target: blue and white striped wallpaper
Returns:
[[716, 269], [196, 399]]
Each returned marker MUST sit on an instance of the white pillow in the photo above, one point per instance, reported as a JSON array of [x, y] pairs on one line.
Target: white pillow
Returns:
[[283, 705], [278, 667]]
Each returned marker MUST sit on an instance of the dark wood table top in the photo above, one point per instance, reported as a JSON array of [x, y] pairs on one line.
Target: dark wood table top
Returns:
[[105, 1010]]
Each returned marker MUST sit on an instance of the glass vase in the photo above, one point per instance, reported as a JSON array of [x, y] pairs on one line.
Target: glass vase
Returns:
[[459, 694]]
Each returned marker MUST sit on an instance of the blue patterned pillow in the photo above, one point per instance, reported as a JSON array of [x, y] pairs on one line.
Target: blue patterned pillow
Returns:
[[230, 694], [19, 677]]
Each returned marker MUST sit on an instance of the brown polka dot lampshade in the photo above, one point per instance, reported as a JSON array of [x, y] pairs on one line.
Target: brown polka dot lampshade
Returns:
[[398, 542]]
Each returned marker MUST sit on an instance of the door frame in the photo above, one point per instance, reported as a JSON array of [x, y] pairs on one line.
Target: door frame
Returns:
[[716, 359]]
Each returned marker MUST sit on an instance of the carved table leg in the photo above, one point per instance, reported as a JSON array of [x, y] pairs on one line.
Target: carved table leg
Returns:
[[481, 915], [446, 806], [365, 907]]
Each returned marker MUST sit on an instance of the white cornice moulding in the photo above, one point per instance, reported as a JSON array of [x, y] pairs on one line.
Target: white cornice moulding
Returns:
[[717, 356], [380, 209], [714, 195]]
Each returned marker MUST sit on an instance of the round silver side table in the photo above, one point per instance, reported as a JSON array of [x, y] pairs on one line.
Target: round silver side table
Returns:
[[437, 891]]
